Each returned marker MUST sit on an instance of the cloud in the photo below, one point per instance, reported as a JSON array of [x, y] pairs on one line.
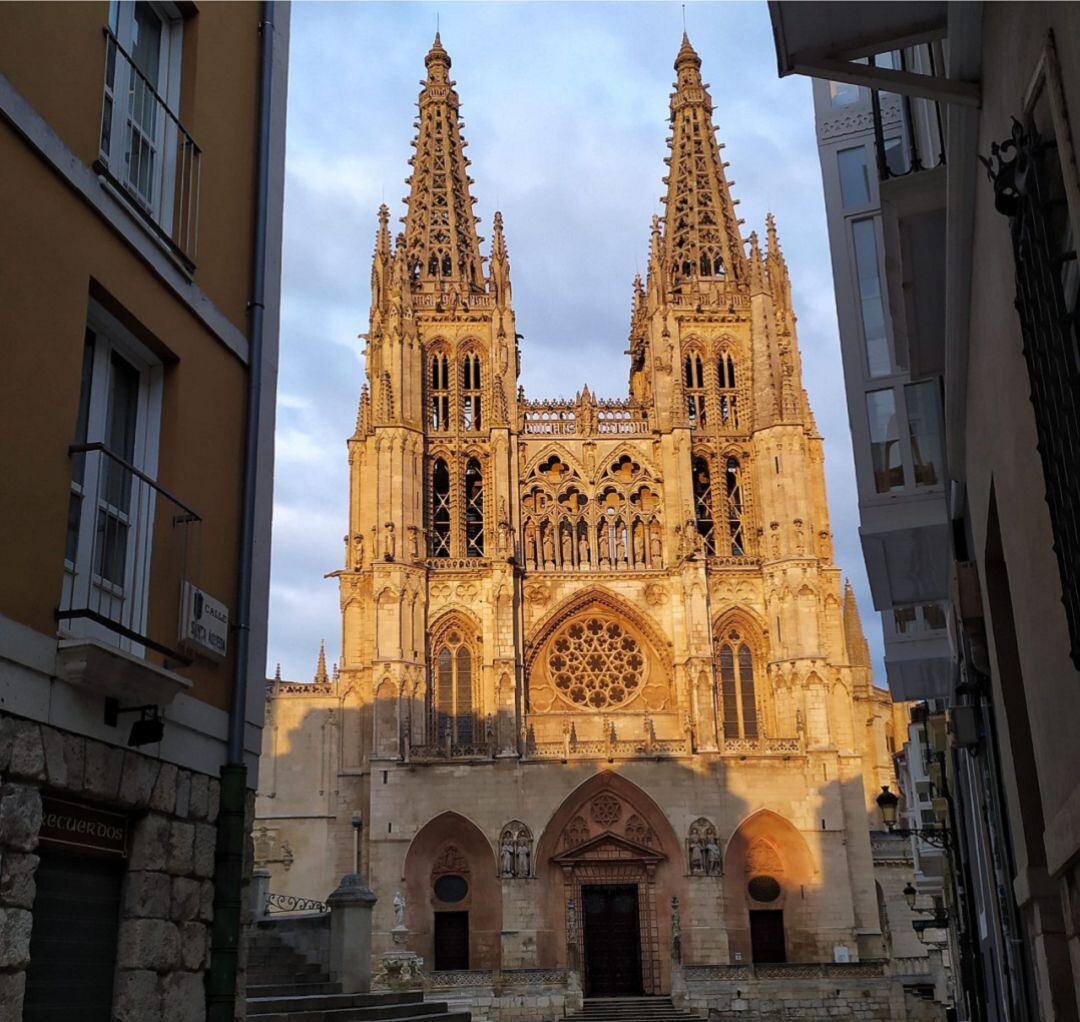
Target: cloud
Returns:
[[566, 109]]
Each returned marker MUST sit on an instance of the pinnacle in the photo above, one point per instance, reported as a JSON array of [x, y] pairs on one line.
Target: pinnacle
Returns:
[[437, 53], [321, 677], [686, 53]]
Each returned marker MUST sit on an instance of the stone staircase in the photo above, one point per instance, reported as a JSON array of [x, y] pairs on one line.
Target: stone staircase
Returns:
[[631, 1009], [283, 986]]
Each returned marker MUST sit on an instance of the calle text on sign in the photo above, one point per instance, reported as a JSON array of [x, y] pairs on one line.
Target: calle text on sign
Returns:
[[78, 827]]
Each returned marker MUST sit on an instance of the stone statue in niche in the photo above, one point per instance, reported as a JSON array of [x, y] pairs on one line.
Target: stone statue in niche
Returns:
[[697, 854], [515, 851], [506, 855], [390, 541], [639, 544], [583, 551], [567, 548], [549, 550], [703, 849], [712, 856], [357, 551], [656, 549], [399, 911]]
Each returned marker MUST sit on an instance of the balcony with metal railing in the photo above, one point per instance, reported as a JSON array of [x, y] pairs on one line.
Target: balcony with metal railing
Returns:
[[147, 155], [124, 601]]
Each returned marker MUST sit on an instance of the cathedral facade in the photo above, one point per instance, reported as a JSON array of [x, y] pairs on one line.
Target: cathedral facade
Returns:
[[604, 708]]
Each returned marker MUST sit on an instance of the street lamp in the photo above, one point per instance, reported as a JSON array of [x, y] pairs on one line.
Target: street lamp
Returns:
[[888, 802]]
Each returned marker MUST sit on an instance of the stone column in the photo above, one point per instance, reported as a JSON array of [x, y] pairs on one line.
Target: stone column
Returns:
[[350, 934], [260, 888]]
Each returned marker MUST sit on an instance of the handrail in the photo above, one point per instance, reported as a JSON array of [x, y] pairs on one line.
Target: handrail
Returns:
[[138, 473]]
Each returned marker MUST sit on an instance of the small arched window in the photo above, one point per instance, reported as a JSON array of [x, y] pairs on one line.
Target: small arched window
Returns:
[[734, 502], [737, 686], [440, 509], [440, 392], [474, 509], [447, 265], [728, 396], [453, 689], [694, 378], [470, 393], [703, 503]]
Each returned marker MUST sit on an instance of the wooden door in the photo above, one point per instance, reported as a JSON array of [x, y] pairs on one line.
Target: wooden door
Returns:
[[612, 940]]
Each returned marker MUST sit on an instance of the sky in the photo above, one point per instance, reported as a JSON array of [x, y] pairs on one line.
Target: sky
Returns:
[[565, 108]]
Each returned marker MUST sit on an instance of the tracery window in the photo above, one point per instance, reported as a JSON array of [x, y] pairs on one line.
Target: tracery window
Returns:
[[712, 264], [737, 686], [440, 508], [596, 662], [734, 506], [453, 689], [470, 393], [474, 509], [703, 496], [440, 392], [694, 378], [727, 397]]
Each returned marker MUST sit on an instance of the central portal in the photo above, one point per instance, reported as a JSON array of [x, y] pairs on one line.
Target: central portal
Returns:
[[612, 940]]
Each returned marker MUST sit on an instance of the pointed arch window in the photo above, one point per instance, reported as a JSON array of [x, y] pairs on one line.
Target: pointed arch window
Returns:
[[440, 508], [694, 378], [728, 395], [474, 509], [703, 503], [734, 506], [453, 690], [440, 392], [470, 393], [737, 688], [712, 264]]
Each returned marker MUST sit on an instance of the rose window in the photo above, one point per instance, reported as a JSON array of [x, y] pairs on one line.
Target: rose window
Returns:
[[596, 662]]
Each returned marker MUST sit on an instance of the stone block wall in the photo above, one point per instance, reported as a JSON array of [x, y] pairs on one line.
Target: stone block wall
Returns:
[[167, 900]]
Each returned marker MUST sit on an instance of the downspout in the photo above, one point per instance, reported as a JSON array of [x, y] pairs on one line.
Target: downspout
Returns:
[[232, 832]]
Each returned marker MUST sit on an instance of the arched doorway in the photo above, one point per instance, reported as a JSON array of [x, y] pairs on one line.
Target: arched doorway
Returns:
[[452, 895], [613, 864]]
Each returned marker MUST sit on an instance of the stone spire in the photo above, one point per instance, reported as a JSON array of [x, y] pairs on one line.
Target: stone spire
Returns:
[[702, 241], [321, 675], [499, 266], [443, 248], [857, 649]]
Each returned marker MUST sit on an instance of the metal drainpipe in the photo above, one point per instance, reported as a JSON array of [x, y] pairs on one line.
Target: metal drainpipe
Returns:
[[232, 834]]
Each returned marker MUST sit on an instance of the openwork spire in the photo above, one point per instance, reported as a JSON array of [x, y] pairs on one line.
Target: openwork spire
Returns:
[[703, 245], [443, 248]]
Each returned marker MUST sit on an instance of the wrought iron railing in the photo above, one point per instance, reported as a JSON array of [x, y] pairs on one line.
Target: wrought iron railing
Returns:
[[148, 154], [282, 903], [130, 545]]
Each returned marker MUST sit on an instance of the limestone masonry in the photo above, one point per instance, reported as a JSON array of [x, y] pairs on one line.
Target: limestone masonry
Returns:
[[604, 719]]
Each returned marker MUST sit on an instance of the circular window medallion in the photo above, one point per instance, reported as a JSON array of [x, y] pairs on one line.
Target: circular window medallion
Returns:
[[596, 662], [606, 809], [451, 889], [764, 888]]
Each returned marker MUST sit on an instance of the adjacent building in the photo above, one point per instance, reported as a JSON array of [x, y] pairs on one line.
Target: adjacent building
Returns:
[[604, 718], [143, 148], [949, 164]]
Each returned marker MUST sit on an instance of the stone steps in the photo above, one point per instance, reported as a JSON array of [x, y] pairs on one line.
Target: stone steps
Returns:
[[284, 987], [631, 1009]]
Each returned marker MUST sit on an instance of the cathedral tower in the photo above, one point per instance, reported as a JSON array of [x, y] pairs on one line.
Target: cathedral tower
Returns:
[[592, 644]]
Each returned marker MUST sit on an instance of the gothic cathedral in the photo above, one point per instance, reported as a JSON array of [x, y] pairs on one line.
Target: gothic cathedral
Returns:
[[604, 718]]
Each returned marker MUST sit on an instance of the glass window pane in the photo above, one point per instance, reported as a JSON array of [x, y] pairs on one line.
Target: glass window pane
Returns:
[[843, 93], [895, 157], [727, 692], [878, 359], [885, 441], [924, 424], [854, 177]]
